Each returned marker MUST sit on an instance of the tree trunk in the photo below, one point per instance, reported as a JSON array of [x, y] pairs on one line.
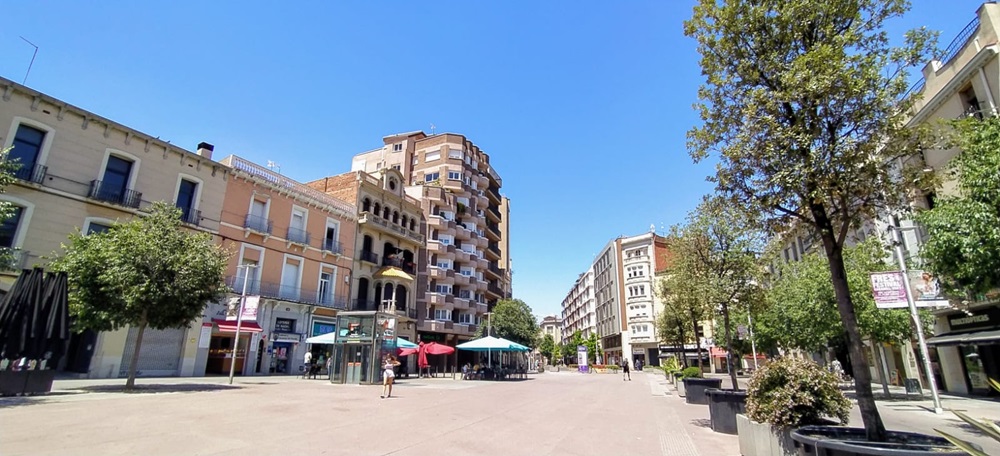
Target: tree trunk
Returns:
[[697, 342], [874, 428], [680, 353], [130, 383], [729, 346]]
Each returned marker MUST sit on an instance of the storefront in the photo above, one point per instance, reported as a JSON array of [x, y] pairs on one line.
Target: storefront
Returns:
[[220, 350], [363, 339], [285, 341], [319, 327], [969, 349]]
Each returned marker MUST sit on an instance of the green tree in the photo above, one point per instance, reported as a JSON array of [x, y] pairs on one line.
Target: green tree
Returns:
[[720, 246], [593, 348], [963, 245], [547, 346], [8, 256], [567, 352], [512, 319], [148, 272], [802, 306], [803, 105], [685, 305]]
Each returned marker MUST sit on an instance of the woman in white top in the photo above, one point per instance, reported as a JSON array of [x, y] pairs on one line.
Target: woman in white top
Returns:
[[388, 374]]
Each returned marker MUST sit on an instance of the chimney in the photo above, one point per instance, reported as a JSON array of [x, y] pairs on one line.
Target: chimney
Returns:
[[205, 150]]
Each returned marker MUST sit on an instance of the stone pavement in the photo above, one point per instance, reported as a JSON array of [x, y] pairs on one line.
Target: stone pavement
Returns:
[[561, 413]]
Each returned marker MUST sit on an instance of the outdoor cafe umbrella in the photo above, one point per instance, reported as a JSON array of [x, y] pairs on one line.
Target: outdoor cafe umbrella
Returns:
[[57, 325], [490, 343], [20, 314]]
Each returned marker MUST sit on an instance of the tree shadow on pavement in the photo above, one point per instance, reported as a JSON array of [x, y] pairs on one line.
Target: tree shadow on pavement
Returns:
[[156, 388], [18, 401], [702, 422]]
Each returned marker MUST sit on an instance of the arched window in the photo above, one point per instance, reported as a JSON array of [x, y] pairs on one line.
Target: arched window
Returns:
[[366, 205], [395, 217], [378, 209], [401, 298], [378, 297], [413, 225], [360, 303], [403, 222], [385, 213]]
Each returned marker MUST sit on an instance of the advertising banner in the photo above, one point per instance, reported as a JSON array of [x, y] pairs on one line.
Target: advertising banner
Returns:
[[889, 289], [249, 308], [581, 358]]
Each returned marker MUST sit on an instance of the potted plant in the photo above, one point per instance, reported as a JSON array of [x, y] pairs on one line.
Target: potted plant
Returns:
[[783, 395], [695, 386]]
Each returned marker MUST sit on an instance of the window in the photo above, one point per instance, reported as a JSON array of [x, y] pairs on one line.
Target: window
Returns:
[[445, 239], [467, 272], [444, 264], [443, 289], [113, 186], [455, 153], [325, 293], [297, 226], [186, 194], [465, 318], [393, 183], [291, 278], [431, 156], [96, 228], [8, 228], [431, 177], [397, 148], [454, 175], [330, 238], [442, 314], [27, 149]]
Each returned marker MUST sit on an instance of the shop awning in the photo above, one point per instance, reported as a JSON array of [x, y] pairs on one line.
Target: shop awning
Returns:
[[966, 338], [246, 326]]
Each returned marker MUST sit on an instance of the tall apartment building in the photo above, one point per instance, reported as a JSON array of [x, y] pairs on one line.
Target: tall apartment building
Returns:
[[609, 290], [388, 246], [643, 256], [466, 257], [82, 171], [287, 241], [578, 308], [960, 82]]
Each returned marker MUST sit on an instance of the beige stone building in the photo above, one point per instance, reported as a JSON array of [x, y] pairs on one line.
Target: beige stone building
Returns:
[[81, 171], [963, 81], [552, 326], [388, 245], [466, 257]]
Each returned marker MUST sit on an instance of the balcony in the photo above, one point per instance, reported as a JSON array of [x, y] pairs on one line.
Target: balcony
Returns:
[[114, 195], [33, 173], [494, 196], [385, 226], [438, 325], [297, 236], [191, 216], [293, 293], [13, 260], [332, 246], [409, 313], [406, 266], [495, 212], [369, 256], [495, 289], [363, 304], [257, 223]]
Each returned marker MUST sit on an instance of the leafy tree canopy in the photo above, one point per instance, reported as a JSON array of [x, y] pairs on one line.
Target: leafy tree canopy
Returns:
[[963, 245], [512, 320]]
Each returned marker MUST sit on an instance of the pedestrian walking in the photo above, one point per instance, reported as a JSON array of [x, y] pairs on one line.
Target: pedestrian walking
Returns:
[[307, 360], [625, 372], [388, 375]]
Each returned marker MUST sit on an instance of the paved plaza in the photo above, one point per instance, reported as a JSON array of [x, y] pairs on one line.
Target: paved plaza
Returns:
[[548, 414]]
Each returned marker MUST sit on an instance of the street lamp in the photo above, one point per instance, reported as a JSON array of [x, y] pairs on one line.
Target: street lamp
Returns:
[[932, 383], [239, 318]]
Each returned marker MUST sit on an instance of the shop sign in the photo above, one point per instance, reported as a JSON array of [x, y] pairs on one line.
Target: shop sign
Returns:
[[286, 337], [285, 325], [322, 327], [980, 319]]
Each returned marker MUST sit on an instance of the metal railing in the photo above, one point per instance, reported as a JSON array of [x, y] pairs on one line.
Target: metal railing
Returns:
[[286, 292], [363, 304], [298, 236], [333, 246], [192, 216], [406, 266], [258, 223], [122, 197], [959, 42], [278, 180], [34, 173], [369, 256]]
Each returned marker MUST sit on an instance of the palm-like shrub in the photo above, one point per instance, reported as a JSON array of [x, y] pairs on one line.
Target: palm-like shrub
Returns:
[[791, 392], [691, 372]]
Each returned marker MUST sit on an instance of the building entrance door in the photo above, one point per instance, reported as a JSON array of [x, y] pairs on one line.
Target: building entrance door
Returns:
[[280, 358], [357, 357]]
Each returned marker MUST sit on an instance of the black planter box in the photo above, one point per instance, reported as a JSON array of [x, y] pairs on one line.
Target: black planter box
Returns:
[[848, 441], [695, 389], [12, 382], [39, 381], [723, 405]]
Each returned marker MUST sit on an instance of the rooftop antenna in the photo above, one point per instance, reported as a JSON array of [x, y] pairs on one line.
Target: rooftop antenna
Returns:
[[25, 81], [274, 166], [432, 129]]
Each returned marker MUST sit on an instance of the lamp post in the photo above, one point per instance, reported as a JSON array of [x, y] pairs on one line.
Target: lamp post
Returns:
[[489, 331], [931, 382], [239, 319]]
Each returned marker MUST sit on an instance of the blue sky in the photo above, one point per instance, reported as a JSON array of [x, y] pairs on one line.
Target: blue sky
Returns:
[[583, 106]]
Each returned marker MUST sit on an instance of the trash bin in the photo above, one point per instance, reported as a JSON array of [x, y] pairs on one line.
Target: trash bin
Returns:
[[723, 405], [695, 389]]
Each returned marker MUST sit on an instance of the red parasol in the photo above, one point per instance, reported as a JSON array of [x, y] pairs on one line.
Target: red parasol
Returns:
[[434, 348], [422, 356]]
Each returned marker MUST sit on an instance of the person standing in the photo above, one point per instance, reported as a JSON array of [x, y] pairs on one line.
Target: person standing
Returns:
[[308, 363], [388, 375], [625, 372]]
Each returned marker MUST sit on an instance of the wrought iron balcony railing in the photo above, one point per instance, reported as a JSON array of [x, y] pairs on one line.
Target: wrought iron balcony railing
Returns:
[[298, 236], [33, 173], [113, 194], [192, 216], [369, 256], [332, 246], [286, 292], [258, 224]]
